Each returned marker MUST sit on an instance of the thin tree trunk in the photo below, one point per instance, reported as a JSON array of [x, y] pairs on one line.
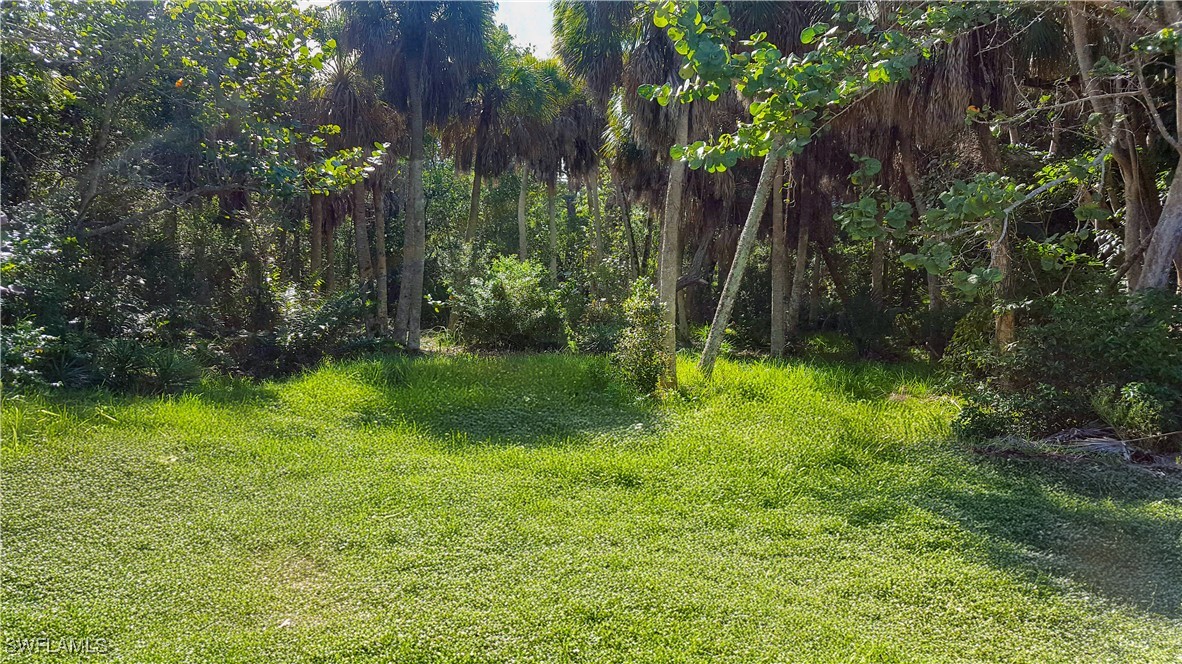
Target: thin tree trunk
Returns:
[[779, 263], [999, 249], [649, 220], [669, 262], [799, 281], [837, 276], [816, 282], [683, 331], [1108, 128], [330, 249], [522, 228], [382, 275], [361, 237], [408, 320], [935, 300], [550, 195], [630, 234], [474, 208], [730, 289], [878, 271], [596, 221], [316, 236]]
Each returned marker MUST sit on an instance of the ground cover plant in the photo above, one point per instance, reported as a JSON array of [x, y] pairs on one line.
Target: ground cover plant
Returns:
[[537, 509]]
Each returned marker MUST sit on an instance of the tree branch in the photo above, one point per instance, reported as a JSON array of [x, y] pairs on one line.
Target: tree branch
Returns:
[[168, 204]]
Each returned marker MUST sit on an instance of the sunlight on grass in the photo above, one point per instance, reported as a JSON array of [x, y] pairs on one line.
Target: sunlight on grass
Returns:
[[534, 509]]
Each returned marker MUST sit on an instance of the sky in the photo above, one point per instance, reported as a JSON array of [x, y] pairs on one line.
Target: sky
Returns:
[[529, 23]]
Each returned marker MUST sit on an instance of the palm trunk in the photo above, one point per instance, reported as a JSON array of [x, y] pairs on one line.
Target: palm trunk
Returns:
[[408, 320], [316, 237], [596, 221], [382, 276], [649, 220], [630, 234], [361, 238], [779, 263], [474, 208], [730, 289], [669, 262], [799, 280], [330, 249], [816, 283], [550, 195], [935, 300], [522, 228]]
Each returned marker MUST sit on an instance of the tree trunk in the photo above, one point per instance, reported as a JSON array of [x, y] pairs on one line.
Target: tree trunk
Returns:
[[1109, 132], [815, 284], [522, 227], [550, 195], [779, 263], [474, 208], [330, 249], [596, 221], [649, 220], [999, 250], [630, 234], [669, 262], [316, 236], [730, 289], [382, 275], [361, 238], [799, 280], [878, 271], [1166, 240], [408, 320]]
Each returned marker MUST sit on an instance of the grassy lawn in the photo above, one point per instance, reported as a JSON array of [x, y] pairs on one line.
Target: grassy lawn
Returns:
[[528, 509]]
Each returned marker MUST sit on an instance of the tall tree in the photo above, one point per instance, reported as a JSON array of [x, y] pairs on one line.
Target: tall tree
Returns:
[[426, 53]]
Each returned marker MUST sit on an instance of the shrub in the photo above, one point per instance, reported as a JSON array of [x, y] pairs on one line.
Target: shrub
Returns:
[[167, 370], [23, 349], [311, 327], [1076, 360], [510, 307], [639, 353], [598, 330], [127, 365], [1137, 410]]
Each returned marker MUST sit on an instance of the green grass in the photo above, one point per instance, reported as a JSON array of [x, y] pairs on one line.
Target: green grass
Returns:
[[527, 509]]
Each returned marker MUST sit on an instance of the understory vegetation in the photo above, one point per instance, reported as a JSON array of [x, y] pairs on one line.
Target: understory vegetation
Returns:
[[245, 190], [535, 508]]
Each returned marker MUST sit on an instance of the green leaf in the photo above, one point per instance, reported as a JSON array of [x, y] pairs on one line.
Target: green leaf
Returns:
[[808, 35]]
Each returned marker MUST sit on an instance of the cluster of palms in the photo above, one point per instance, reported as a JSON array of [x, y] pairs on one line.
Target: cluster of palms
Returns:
[[403, 69], [497, 108]]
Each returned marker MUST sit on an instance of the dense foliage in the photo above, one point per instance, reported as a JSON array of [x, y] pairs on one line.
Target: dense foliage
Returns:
[[248, 188]]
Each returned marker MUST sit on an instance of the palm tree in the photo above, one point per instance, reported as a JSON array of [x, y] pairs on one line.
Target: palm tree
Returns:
[[476, 138], [426, 53], [343, 96]]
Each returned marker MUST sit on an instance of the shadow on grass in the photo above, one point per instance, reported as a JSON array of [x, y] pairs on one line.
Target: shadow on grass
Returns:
[[1096, 526], [508, 399]]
